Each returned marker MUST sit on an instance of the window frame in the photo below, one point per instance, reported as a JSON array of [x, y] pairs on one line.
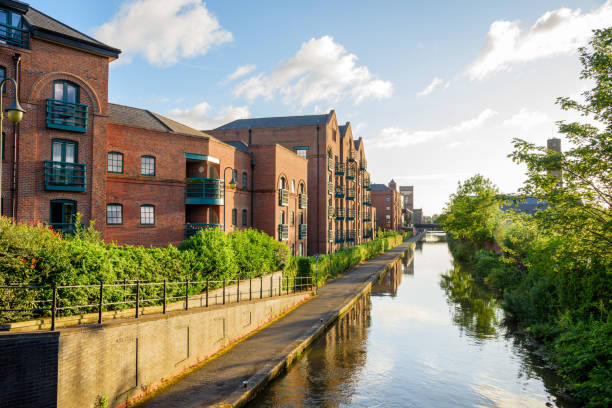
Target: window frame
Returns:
[[153, 213], [234, 217], [63, 201], [147, 156], [107, 162], [64, 143], [107, 213], [245, 180], [244, 218], [65, 82]]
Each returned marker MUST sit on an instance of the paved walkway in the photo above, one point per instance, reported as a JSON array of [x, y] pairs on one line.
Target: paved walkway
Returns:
[[232, 378]]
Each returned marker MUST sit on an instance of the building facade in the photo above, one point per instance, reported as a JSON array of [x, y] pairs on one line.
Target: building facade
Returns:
[[388, 203]]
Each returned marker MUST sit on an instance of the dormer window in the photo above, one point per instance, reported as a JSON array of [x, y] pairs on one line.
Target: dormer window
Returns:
[[11, 29]]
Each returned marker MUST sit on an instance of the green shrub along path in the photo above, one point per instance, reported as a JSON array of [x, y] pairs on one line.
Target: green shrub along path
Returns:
[[36, 255], [553, 270]]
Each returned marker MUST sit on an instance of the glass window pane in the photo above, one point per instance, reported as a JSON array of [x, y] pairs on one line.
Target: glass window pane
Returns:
[[56, 151], [71, 94], [70, 153], [114, 214], [147, 166], [147, 214], [115, 163], [58, 91]]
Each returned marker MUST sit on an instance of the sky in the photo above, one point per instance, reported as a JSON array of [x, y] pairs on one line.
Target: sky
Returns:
[[437, 90]]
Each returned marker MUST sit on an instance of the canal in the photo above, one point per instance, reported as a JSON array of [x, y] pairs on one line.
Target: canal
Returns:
[[426, 336]]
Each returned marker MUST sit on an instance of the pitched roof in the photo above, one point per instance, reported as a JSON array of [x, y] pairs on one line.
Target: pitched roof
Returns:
[[239, 145], [130, 116], [357, 142], [45, 27], [281, 121], [342, 129], [379, 187]]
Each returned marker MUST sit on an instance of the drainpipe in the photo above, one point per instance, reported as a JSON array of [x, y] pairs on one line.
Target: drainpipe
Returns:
[[17, 62], [318, 207], [252, 175]]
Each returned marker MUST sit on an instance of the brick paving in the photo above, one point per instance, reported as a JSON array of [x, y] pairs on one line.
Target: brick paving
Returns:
[[221, 382]]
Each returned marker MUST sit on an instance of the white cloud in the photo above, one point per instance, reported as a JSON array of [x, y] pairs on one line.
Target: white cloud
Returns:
[[321, 71], [557, 32], [240, 72], [430, 88], [199, 117], [163, 31], [526, 120], [395, 136]]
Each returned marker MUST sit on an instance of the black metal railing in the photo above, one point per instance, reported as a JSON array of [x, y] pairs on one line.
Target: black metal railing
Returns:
[[32, 301]]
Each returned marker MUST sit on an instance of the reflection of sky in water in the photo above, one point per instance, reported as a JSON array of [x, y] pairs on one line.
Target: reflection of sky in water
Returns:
[[413, 354]]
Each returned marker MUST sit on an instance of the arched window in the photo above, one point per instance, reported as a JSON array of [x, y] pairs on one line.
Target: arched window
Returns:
[[234, 216], [244, 218], [301, 218], [282, 217], [114, 163], [245, 179], [301, 188], [147, 214], [65, 91], [282, 184], [147, 166], [114, 214]]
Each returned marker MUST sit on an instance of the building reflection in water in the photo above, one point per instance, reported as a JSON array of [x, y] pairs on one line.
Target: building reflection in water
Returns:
[[388, 283], [408, 263], [327, 374]]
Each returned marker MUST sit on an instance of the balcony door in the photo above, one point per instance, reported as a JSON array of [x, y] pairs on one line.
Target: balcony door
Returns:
[[63, 155], [66, 95], [62, 214]]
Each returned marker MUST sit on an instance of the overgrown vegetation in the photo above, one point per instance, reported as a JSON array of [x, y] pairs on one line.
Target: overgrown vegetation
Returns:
[[553, 270]]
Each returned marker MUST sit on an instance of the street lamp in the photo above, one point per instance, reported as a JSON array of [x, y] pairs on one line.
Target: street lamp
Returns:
[[15, 114], [232, 185]]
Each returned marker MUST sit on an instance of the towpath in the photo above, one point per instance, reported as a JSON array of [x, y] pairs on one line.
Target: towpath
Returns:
[[234, 377]]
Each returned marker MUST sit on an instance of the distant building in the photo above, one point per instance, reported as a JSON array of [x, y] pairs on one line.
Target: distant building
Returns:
[[388, 204]]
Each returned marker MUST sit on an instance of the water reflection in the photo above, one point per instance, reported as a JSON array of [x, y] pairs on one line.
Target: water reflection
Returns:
[[389, 282]]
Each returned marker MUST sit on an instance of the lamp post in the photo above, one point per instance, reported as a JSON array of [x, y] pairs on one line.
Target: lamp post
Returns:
[[15, 114], [232, 185]]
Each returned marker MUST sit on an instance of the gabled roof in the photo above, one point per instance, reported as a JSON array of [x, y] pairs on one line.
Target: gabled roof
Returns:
[[281, 121], [130, 116], [343, 129], [379, 187], [357, 143], [45, 27], [239, 145]]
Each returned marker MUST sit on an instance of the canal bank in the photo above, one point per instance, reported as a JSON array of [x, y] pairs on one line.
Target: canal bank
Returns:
[[235, 377]]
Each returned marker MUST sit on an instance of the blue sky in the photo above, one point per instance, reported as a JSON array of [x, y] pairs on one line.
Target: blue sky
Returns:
[[436, 91]]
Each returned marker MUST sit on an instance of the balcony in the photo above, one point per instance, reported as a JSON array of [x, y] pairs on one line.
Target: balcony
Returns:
[[367, 200], [350, 214], [339, 191], [303, 231], [352, 155], [283, 197], [330, 188], [330, 212], [350, 171], [204, 191], [340, 213], [15, 36], [350, 193], [340, 237], [350, 236], [363, 164], [192, 229], [283, 232], [66, 228], [367, 233], [366, 184], [61, 176], [367, 217], [330, 236], [340, 169], [302, 201], [66, 116], [330, 163]]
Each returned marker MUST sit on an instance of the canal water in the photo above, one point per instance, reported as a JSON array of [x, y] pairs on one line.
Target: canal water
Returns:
[[425, 337]]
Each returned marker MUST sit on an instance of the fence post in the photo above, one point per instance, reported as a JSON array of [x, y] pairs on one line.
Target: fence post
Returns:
[[164, 308], [250, 288], [100, 306], [223, 291], [137, 297], [124, 288], [54, 306], [238, 291], [294, 285], [271, 285], [280, 286], [317, 276], [206, 292], [287, 289], [187, 294], [261, 287]]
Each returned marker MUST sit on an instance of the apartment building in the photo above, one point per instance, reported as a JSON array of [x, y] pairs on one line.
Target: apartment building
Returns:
[[339, 197], [388, 203], [144, 179]]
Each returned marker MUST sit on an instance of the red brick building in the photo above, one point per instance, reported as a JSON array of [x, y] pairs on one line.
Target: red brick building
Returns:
[[388, 203], [339, 198], [142, 178]]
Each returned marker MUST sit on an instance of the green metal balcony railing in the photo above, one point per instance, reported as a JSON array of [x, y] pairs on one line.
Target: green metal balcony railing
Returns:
[[192, 229], [283, 232], [303, 201], [339, 191], [367, 233], [350, 236], [340, 213], [330, 188], [340, 237], [330, 212], [330, 163], [303, 231], [15, 36], [350, 214], [62, 176], [283, 197], [363, 164], [205, 191], [367, 217], [350, 171], [67, 228], [66, 116], [352, 155], [350, 193], [366, 183], [330, 236], [367, 200], [340, 169]]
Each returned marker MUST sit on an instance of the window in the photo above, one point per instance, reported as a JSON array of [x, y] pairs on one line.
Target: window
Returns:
[[115, 162], [301, 151], [62, 212], [2, 77], [11, 36], [301, 253], [293, 186], [301, 188], [292, 218], [234, 216], [235, 175], [64, 151], [244, 218], [283, 183], [114, 214], [334, 135], [292, 249], [147, 215], [388, 199], [388, 208], [66, 91], [388, 217], [245, 180], [147, 166], [301, 218], [282, 217]]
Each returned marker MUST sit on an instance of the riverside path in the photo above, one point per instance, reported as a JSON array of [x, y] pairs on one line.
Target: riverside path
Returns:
[[234, 377]]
